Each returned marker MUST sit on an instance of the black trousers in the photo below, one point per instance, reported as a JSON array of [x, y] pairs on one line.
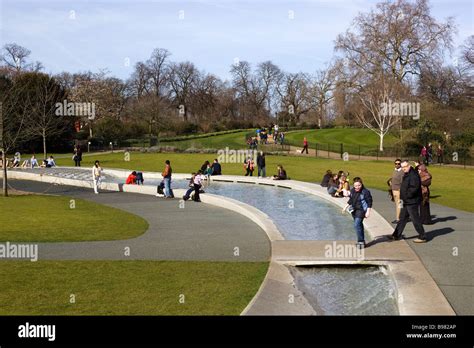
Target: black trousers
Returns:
[[305, 148], [425, 213], [412, 211], [196, 192]]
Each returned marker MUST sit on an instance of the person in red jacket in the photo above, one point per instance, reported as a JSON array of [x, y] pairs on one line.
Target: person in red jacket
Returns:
[[132, 179], [305, 145]]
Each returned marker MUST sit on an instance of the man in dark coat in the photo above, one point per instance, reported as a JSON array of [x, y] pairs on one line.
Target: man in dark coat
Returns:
[[410, 197]]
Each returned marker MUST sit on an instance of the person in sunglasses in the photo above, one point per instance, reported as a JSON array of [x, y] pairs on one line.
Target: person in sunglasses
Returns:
[[395, 183], [410, 195]]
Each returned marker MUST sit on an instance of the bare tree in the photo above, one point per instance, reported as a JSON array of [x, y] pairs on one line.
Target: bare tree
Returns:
[[323, 83], [391, 42], [13, 119], [158, 71], [467, 54], [139, 82], [255, 90], [42, 93], [183, 77], [294, 93], [16, 57]]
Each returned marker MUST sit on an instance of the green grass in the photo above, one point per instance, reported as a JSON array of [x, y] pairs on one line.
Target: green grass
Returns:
[[36, 218], [232, 140], [352, 138], [128, 287], [445, 189]]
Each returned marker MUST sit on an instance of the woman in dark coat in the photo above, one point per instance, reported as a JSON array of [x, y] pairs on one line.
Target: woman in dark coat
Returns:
[[425, 213]]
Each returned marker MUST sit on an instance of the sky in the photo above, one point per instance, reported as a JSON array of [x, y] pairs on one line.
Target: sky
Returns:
[[81, 35]]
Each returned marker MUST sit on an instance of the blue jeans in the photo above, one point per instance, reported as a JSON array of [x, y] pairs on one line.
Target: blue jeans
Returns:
[[262, 171], [167, 182], [359, 227]]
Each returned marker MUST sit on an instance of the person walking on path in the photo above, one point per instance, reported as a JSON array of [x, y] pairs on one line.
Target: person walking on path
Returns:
[[305, 145], [96, 175], [424, 155], [439, 154], [360, 205], [410, 196], [77, 157], [425, 213], [395, 183], [167, 179], [261, 165]]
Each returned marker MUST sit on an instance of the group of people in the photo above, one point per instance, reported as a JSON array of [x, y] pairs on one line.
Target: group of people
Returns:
[[15, 162], [195, 183], [426, 154], [249, 167], [209, 169], [337, 184], [395, 184], [409, 189]]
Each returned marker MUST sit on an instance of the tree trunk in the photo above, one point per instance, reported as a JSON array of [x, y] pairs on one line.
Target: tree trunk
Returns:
[[381, 135], [44, 144], [5, 182]]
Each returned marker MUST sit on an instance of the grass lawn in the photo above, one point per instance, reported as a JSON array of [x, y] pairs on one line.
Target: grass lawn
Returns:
[[233, 141], [36, 218], [374, 173], [128, 287], [351, 137]]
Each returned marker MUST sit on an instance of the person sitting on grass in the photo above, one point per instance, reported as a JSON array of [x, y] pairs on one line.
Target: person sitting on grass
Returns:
[[281, 173], [132, 179]]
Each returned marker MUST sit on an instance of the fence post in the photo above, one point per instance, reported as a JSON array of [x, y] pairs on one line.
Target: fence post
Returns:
[[342, 149], [359, 151], [316, 149], [328, 150], [377, 153]]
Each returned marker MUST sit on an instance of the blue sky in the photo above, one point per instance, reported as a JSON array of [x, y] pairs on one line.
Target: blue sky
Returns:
[[84, 35]]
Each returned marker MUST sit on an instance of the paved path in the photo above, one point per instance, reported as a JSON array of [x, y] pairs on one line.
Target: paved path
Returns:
[[197, 232]]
